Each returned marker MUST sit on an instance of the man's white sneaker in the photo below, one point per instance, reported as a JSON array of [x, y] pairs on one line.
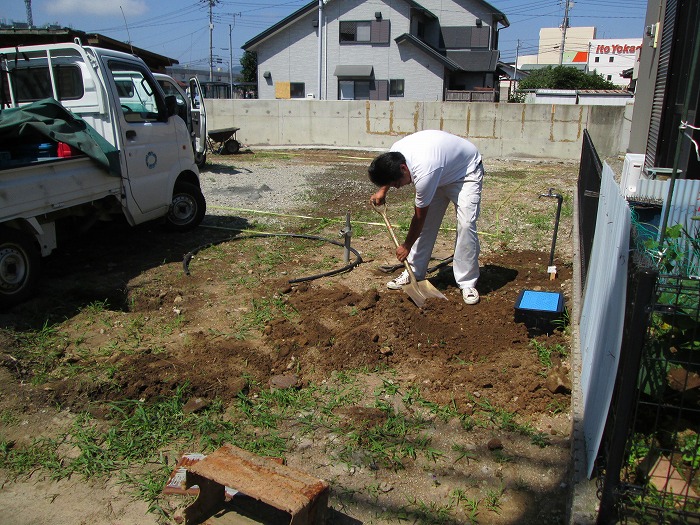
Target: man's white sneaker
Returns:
[[399, 282], [470, 295]]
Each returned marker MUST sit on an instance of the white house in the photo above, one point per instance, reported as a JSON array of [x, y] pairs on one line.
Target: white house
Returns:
[[381, 50]]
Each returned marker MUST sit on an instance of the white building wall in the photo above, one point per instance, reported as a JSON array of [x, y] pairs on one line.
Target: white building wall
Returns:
[[458, 13], [611, 56], [290, 56], [577, 39], [422, 75]]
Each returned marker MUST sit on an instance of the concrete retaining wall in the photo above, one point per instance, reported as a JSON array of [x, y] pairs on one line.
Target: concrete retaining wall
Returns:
[[499, 130]]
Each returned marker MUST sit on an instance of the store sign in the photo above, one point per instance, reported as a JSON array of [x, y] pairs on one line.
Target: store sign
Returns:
[[616, 49]]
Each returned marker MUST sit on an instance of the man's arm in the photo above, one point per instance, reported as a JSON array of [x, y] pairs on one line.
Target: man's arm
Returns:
[[417, 222]]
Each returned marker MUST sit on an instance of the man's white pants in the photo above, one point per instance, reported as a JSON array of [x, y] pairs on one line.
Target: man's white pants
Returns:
[[466, 197]]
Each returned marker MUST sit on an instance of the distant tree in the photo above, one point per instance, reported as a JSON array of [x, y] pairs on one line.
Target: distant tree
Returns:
[[564, 77], [249, 64]]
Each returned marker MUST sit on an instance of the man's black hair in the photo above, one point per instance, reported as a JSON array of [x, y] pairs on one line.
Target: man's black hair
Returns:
[[386, 168]]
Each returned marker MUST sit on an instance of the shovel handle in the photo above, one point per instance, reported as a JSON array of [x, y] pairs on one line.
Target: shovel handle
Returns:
[[381, 210]]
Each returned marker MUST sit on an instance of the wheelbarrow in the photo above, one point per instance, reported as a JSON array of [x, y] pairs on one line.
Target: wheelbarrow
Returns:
[[223, 141]]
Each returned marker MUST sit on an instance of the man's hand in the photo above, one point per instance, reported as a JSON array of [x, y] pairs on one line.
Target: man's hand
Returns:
[[414, 230], [379, 198], [402, 252]]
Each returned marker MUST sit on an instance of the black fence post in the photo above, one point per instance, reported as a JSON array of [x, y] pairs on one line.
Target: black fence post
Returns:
[[633, 336], [588, 188]]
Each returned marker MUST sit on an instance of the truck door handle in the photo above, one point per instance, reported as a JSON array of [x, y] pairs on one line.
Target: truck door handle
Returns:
[[130, 134]]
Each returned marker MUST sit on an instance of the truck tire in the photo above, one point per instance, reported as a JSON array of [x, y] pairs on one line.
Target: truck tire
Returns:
[[200, 159], [187, 208], [20, 262]]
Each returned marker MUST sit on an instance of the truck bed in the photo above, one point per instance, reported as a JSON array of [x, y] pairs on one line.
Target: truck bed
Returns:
[[51, 185]]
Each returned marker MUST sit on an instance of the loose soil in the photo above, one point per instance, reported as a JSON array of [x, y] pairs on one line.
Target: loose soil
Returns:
[[188, 321]]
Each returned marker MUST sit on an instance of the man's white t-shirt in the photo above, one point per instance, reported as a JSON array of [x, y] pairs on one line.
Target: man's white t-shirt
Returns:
[[436, 158]]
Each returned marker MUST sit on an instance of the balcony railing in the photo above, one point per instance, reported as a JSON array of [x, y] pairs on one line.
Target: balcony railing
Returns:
[[490, 95]]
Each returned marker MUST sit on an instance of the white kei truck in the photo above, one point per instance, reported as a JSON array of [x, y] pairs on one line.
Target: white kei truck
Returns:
[[74, 151]]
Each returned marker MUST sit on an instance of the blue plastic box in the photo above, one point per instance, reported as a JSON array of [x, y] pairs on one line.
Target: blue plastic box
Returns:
[[539, 309]]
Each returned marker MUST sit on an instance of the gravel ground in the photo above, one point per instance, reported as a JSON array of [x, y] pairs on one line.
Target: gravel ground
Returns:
[[262, 189]]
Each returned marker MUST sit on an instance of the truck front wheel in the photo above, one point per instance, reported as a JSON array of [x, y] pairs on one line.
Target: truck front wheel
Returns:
[[200, 159], [188, 207], [19, 266]]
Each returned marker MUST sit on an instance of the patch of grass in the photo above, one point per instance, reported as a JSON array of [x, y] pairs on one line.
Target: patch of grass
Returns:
[[505, 420], [541, 221], [40, 350], [148, 487], [95, 309], [501, 457], [8, 418], [492, 499], [430, 512], [40, 455], [387, 445], [135, 434], [557, 407], [545, 352], [263, 311], [540, 439], [563, 323], [463, 453]]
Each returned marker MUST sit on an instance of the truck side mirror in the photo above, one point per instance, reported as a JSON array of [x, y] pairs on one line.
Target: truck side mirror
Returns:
[[171, 105]]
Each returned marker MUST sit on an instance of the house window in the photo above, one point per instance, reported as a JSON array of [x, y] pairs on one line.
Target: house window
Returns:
[[361, 89], [396, 87], [371, 32], [611, 59], [353, 89], [609, 77], [597, 59], [355, 31], [297, 90]]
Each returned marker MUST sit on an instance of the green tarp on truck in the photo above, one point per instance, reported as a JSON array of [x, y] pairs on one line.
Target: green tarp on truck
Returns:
[[48, 119]]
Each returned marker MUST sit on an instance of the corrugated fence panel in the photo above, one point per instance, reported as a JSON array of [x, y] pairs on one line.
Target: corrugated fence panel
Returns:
[[684, 206], [651, 190], [603, 311]]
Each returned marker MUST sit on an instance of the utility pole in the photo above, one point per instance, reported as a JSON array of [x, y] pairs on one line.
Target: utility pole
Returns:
[[230, 53], [230, 60], [320, 47], [211, 43], [588, 58], [210, 4], [515, 73], [564, 26]]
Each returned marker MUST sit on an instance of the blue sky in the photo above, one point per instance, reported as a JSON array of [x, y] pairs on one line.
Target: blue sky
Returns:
[[179, 28]]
